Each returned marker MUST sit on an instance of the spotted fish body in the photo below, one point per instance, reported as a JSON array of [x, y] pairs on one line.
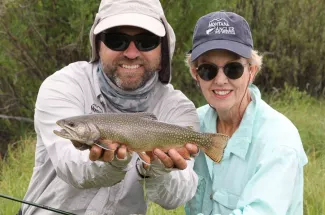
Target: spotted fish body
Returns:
[[139, 132]]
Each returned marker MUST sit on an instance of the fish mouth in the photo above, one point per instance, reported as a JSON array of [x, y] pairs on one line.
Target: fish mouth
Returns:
[[65, 132]]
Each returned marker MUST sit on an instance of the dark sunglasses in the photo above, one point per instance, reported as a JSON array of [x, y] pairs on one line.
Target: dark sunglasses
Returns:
[[209, 71], [120, 42]]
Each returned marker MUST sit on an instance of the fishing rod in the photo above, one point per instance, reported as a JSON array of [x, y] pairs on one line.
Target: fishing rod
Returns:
[[36, 205]]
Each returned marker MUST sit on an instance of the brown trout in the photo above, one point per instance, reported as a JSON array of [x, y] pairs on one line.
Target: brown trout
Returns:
[[139, 132]]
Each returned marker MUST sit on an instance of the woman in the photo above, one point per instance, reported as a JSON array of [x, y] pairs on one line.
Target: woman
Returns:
[[262, 168]]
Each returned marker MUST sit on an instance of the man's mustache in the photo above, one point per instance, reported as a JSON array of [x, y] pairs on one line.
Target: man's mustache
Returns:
[[125, 60]]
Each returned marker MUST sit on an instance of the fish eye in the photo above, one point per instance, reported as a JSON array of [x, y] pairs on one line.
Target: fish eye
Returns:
[[71, 124]]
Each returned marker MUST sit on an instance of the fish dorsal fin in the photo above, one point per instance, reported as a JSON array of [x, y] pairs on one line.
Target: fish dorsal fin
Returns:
[[190, 127], [145, 115]]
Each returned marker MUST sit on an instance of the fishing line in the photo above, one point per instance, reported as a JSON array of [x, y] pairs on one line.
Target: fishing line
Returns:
[[36, 205]]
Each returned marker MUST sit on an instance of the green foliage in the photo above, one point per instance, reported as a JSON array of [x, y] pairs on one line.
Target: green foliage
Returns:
[[290, 96], [314, 189], [37, 38], [155, 209], [289, 33], [15, 173]]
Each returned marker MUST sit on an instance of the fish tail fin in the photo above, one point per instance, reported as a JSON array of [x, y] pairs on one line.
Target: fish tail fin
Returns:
[[219, 143]]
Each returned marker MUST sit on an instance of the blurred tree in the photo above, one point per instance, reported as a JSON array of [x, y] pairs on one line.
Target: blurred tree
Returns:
[[37, 38], [290, 35]]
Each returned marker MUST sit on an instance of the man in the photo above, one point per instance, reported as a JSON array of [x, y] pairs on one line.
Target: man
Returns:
[[132, 46]]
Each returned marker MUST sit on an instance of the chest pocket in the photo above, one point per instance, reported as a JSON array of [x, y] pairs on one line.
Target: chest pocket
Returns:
[[226, 199]]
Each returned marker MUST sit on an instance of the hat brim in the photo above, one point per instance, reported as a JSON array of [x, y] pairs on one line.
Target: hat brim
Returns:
[[132, 19], [238, 48]]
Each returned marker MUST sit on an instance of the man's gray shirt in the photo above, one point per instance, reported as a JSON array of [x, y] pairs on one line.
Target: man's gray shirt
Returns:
[[65, 178]]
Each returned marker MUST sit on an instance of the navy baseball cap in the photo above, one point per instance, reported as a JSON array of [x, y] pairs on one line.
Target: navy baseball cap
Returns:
[[222, 30]]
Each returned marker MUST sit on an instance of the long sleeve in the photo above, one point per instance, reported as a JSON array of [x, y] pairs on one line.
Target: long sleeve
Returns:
[[173, 189], [71, 165]]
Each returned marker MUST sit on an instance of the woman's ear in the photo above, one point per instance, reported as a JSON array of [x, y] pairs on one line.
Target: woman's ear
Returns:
[[252, 73], [193, 72]]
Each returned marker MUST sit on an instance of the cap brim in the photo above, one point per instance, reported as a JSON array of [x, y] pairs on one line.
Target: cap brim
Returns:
[[132, 19], [238, 48]]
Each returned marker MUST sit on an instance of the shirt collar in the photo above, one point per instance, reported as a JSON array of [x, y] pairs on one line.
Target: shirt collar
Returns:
[[239, 143]]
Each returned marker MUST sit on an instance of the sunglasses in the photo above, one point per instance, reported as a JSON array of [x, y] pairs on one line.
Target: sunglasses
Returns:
[[120, 42], [232, 70]]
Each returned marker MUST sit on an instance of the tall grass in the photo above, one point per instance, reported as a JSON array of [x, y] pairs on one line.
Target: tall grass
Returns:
[[305, 112], [15, 174], [314, 190]]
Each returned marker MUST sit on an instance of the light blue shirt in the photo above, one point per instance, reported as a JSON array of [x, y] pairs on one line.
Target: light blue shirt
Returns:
[[262, 169]]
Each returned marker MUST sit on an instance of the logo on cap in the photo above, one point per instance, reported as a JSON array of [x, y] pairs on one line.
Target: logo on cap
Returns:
[[220, 26]]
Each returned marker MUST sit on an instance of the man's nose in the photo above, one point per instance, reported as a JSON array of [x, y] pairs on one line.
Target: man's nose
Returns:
[[131, 52]]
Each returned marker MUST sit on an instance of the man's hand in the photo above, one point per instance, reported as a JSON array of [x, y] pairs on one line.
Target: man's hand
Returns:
[[174, 158]]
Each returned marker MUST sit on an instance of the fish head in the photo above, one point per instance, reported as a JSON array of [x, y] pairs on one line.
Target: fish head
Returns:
[[78, 130]]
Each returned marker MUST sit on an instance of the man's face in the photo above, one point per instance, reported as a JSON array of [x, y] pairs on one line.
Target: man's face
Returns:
[[130, 69]]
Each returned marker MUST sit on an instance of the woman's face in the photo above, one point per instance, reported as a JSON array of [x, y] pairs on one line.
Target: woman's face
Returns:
[[223, 93]]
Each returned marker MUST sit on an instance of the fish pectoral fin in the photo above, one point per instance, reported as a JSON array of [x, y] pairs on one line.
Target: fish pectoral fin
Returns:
[[103, 146], [142, 157], [145, 115]]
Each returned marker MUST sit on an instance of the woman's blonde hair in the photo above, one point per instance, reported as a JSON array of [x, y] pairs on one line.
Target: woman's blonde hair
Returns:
[[255, 60]]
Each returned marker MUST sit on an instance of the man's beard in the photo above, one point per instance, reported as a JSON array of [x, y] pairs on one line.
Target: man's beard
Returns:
[[117, 77]]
